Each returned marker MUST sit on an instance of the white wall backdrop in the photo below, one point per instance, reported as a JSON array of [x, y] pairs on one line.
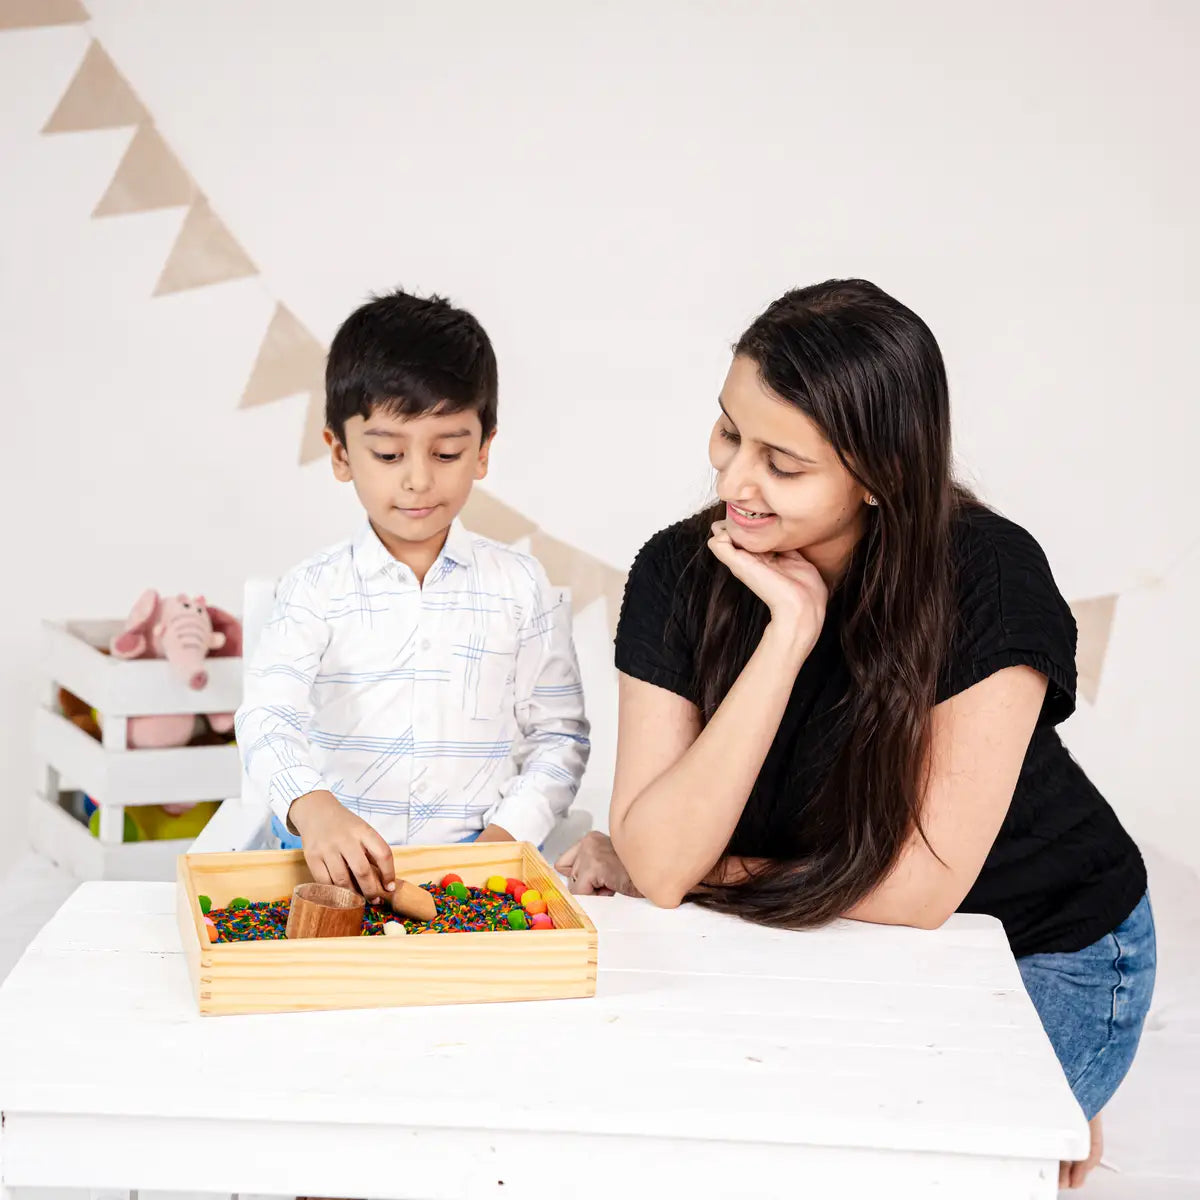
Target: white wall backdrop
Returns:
[[615, 190]]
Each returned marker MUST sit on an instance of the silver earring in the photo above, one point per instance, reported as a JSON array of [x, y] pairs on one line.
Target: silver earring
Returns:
[[872, 502]]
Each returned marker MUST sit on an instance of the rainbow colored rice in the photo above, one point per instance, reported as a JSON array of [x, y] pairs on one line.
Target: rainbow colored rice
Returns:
[[483, 911]]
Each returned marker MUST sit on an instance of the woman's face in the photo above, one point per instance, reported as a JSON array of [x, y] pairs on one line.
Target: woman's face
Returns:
[[783, 485]]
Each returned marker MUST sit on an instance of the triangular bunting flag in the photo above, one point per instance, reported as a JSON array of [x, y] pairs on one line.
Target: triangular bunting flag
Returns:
[[587, 577], [492, 518], [1095, 619], [31, 14], [290, 360], [204, 253], [97, 98], [149, 176]]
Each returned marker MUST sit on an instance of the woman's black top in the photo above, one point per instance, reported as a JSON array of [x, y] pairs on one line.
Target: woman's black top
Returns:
[[1062, 872]]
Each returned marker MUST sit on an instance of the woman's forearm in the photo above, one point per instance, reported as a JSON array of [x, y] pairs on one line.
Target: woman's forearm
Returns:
[[674, 831]]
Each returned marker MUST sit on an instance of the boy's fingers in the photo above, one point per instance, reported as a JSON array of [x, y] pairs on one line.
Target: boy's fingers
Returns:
[[567, 858], [380, 854], [318, 870], [364, 873], [339, 873]]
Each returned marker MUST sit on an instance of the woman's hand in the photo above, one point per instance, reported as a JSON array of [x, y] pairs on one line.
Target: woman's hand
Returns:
[[787, 583], [594, 869]]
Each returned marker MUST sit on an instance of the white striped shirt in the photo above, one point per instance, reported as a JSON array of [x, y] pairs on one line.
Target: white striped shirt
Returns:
[[430, 711]]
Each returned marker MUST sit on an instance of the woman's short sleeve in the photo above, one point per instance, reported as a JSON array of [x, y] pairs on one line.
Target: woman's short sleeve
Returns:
[[1010, 613], [653, 641]]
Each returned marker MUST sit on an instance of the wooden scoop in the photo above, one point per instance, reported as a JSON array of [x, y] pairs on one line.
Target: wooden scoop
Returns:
[[408, 900]]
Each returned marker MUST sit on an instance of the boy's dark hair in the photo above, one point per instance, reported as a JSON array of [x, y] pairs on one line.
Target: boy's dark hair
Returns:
[[408, 356]]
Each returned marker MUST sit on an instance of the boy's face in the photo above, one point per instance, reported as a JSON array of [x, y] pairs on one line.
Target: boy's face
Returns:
[[412, 474]]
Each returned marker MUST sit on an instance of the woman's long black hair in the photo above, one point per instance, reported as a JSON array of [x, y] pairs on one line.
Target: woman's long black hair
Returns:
[[868, 373]]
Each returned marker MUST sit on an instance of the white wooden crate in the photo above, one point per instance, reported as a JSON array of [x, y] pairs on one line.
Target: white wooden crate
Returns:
[[131, 687], [176, 775], [114, 776]]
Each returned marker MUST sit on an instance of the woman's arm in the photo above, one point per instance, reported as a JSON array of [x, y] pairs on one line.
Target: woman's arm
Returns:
[[679, 791], [977, 745]]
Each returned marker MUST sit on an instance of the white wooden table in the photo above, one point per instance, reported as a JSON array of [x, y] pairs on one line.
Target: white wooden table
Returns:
[[718, 1059]]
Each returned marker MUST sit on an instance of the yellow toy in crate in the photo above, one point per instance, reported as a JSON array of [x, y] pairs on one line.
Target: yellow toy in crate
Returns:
[[158, 823]]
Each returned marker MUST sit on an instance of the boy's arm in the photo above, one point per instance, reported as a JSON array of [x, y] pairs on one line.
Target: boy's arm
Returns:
[[272, 721], [495, 833], [552, 749]]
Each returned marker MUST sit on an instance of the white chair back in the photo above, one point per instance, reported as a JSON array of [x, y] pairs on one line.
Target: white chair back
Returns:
[[257, 599], [243, 822]]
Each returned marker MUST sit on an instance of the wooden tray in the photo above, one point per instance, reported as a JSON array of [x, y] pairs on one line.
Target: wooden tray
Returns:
[[381, 972]]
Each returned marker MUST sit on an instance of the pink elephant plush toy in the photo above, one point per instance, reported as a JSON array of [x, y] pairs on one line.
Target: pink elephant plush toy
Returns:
[[185, 631]]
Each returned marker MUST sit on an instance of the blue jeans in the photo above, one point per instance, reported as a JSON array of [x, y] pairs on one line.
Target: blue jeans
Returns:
[[1093, 1004]]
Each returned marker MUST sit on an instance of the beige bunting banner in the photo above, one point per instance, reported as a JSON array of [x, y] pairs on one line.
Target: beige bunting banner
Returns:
[[291, 362], [1094, 619], [204, 253], [97, 98], [31, 14], [149, 177]]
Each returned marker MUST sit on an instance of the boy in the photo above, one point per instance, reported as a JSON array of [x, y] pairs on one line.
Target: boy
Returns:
[[417, 683]]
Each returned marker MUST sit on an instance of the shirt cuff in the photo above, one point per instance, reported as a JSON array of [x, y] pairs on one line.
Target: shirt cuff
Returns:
[[526, 815], [289, 785]]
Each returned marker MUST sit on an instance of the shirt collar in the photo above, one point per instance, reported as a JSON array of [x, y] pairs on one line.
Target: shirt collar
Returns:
[[371, 556], [460, 545]]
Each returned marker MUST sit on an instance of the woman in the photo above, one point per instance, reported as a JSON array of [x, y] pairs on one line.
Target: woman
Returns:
[[840, 685]]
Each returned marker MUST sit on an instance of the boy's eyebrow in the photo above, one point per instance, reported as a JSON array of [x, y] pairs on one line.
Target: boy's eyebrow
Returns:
[[394, 433], [778, 449]]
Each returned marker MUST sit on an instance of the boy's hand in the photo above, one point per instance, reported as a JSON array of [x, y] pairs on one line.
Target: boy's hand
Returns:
[[341, 848], [495, 833]]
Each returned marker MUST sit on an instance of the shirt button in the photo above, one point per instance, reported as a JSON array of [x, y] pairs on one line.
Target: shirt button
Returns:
[[425, 643]]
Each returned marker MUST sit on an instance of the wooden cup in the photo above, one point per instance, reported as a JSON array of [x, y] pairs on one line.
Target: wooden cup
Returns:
[[325, 910]]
